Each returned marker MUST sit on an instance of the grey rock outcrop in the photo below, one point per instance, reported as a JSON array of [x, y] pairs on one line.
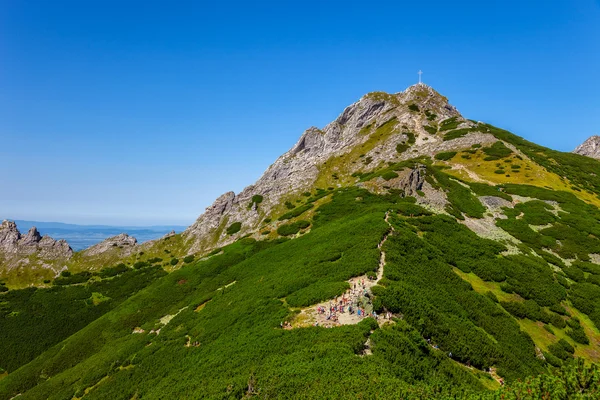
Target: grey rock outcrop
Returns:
[[360, 130], [13, 245], [413, 182], [123, 242], [589, 148]]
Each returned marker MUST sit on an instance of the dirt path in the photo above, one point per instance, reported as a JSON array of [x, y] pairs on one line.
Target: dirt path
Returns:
[[345, 309]]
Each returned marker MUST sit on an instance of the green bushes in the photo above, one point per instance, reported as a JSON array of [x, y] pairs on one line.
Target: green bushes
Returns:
[[316, 292], [530, 309], [234, 228], [430, 116], [413, 107], [445, 156], [496, 151], [389, 175], [188, 259], [430, 129], [481, 189], [67, 278], [140, 264], [113, 271], [562, 350], [586, 298], [33, 320], [293, 228], [401, 147], [296, 212], [449, 124], [442, 307], [257, 199], [457, 133], [174, 261], [578, 334]]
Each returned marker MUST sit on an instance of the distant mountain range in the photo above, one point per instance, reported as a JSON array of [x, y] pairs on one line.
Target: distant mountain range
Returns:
[[80, 237]]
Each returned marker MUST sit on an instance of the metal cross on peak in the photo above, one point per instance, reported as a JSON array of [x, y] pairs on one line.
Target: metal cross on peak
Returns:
[[420, 73]]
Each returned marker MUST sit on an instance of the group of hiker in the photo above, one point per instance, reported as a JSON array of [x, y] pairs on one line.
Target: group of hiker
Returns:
[[356, 301]]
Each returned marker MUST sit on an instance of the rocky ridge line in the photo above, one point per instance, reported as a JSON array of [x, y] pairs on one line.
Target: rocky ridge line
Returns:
[[589, 148], [14, 244]]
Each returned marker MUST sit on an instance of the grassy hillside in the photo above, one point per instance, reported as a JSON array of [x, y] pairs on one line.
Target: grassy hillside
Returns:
[[212, 329]]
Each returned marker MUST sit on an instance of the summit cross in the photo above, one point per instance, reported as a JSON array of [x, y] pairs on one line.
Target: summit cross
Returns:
[[420, 72]]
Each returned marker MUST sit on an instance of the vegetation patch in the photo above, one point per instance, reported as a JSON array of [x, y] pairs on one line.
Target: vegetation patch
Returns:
[[497, 151], [296, 212], [234, 228], [445, 155], [449, 124], [292, 228]]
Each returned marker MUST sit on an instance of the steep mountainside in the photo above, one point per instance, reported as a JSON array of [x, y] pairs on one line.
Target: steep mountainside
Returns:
[[367, 133], [589, 148], [402, 251]]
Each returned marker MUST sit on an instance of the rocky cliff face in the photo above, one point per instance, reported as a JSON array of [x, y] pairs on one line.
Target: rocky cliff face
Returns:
[[125, 243], [366, 133], [589, 148], [12, 243]]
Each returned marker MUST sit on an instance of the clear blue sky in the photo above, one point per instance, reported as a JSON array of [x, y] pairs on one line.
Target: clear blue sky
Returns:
[[143, 112]]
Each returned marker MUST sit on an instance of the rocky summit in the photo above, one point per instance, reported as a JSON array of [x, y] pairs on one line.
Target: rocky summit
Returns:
[[368, 132], [589, 148]]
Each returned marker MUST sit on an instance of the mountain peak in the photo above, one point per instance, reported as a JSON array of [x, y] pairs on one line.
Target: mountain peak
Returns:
[[377, 129], [589, 148]]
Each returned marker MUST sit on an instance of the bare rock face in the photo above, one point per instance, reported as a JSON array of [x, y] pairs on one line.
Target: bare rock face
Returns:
[[122, 242], [13, 244], [589, 148], [371, 128], [414, 181], [31, 238], [9, 237]]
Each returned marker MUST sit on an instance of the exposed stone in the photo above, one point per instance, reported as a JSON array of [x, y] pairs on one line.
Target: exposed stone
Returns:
[[413, 182], [493, 203], [32, 237], [122, 241], [14, 245], [589, 148]]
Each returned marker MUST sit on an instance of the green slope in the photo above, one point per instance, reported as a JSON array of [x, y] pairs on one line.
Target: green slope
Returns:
[[236, 326]]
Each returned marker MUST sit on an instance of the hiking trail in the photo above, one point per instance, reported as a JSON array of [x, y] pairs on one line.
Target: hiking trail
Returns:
[[336, 312]]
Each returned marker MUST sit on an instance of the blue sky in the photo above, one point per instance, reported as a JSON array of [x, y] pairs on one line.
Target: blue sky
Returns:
[[143, 112]]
